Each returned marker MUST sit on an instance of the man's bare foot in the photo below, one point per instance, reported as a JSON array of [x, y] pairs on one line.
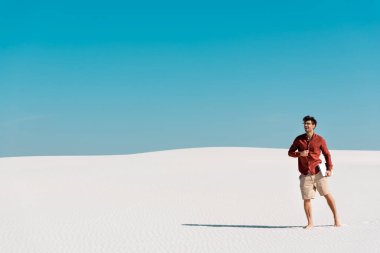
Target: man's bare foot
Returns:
[[337, 222], [309, 226]]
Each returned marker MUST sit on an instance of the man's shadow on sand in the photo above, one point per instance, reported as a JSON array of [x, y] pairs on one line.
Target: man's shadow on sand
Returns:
[[248, 226]]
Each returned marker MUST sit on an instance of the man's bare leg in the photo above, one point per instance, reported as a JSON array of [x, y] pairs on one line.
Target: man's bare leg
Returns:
[[308, 211], [331, 203]]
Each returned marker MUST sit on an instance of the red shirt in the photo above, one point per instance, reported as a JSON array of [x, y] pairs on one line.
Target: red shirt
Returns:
[[310, 163]]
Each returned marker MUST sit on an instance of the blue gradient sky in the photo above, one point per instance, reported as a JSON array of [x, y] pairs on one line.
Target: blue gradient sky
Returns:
[[79, 78]]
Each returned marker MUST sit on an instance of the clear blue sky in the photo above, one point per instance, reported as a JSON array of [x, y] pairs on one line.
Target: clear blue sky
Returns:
[[88, 77]]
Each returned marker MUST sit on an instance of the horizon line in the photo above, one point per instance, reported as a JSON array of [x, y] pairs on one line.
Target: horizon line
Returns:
[[172, 149]]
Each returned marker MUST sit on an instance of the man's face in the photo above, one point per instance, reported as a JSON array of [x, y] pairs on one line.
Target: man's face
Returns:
[[308, 126]]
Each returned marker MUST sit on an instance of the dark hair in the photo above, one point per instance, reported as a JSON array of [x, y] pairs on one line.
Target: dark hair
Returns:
[[312, 119]]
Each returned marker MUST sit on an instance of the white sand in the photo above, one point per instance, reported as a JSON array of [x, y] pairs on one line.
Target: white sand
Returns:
[[187, 200]]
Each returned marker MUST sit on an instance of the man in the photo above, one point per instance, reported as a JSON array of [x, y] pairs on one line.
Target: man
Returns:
[[307, 148]]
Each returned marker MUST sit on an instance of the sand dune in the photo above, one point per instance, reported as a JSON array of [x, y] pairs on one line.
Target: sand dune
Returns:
[[185, 200]]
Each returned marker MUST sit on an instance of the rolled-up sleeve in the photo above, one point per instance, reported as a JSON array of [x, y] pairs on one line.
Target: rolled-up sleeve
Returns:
[[293, 149], [326, 154]]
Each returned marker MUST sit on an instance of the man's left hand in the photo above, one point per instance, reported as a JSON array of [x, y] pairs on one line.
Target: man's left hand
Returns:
[[328, 173]]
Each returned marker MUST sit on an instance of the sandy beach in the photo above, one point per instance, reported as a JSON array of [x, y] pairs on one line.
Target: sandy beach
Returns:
[[186, 200]]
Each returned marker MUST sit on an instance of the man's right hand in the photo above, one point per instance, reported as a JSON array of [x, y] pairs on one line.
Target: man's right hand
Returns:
[[304, 153]]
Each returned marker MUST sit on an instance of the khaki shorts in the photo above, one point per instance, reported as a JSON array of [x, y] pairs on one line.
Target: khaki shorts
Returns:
[[310, 183]]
